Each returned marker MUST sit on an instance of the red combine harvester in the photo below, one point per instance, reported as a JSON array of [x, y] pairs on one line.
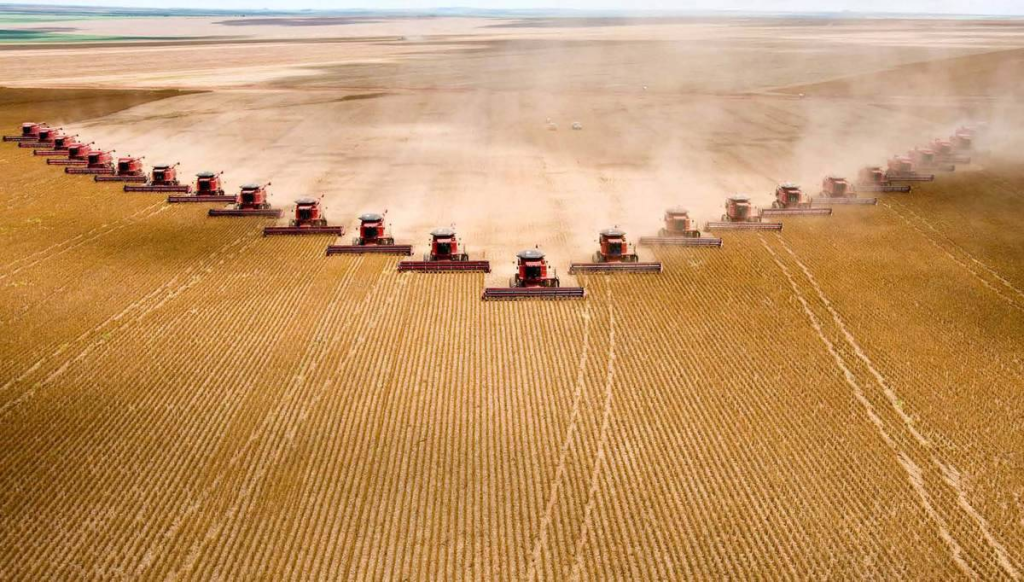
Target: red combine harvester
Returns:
[[445, 256], [925, 159], [162, 178], [944, 152], [963, 139], [127, 169], [740, 214], [251, 201], [534, 279], [44, 139], [614, 256], [59, 147], [790, 201], [77, 155], [901, 169], [98, 162], [836, 190], [29, 132], [873, 179], [372, 239], [208, 189], [680, 230], [308, 220]]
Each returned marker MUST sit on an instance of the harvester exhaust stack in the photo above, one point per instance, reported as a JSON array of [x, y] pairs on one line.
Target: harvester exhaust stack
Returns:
[[372, 239], [534, 279], [446, 255], [740, 214], [680, 230], [308, 219], [614, 255]]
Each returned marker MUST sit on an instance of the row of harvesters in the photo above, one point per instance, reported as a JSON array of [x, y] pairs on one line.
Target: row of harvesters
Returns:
[[534, 277]]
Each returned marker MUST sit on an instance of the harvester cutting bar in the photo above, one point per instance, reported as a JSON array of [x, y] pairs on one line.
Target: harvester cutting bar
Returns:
[[66, 162], [844, 200], [444, 266], [960, 159], [272, 212], [50, 153], [363, 249], [797, 212], [49, 144], [614, 268], [681, 241], [513, 293], [20, 138], [881, 189], [119, 178], [92, 171], [910, 177], [274, 230], [161, 188], [744, 226], [198, 198]]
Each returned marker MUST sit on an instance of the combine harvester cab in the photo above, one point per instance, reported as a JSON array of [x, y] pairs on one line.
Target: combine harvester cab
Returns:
[[680, 230], [963, 139], [740, 214], [77, 155], [208, 189], [59, 147], [98, 162], [445, 256], [614, 255], [162, 178], [251, 201], [837, 190], [873, 179], [790, 201], [945, 152], [902, 169], [29, 132], [127, 169], [372, 239], [44, 140], [926, 159], [308, 219], [534, 279]]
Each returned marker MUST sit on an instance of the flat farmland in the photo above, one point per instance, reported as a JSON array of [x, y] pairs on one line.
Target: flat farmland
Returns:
[[183, 398]]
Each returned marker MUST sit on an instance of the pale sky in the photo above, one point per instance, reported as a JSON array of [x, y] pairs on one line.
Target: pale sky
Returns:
[[990, 7]]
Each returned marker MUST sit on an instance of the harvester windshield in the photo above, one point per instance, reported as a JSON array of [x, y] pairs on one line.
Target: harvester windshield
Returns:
[[123, 166], [444, 247], [532, 271]]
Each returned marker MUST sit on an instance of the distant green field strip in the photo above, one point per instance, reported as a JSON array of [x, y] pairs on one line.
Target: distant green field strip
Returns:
[[36, 36]]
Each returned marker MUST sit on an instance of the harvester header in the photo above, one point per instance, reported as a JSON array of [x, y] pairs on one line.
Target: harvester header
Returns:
[[373, 238], [614, 255], [680, 230], [446, 255], [534, 279], [740, 214]]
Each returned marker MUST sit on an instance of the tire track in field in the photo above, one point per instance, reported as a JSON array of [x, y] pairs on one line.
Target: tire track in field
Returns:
[[86, 237], [563, 454], [984, 266], [912, 470], [599, 459], [1009, 300], [139, 304], [950, 474]]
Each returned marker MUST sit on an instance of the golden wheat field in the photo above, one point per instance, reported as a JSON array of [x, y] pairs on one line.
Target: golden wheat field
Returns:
[[183, 398]]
